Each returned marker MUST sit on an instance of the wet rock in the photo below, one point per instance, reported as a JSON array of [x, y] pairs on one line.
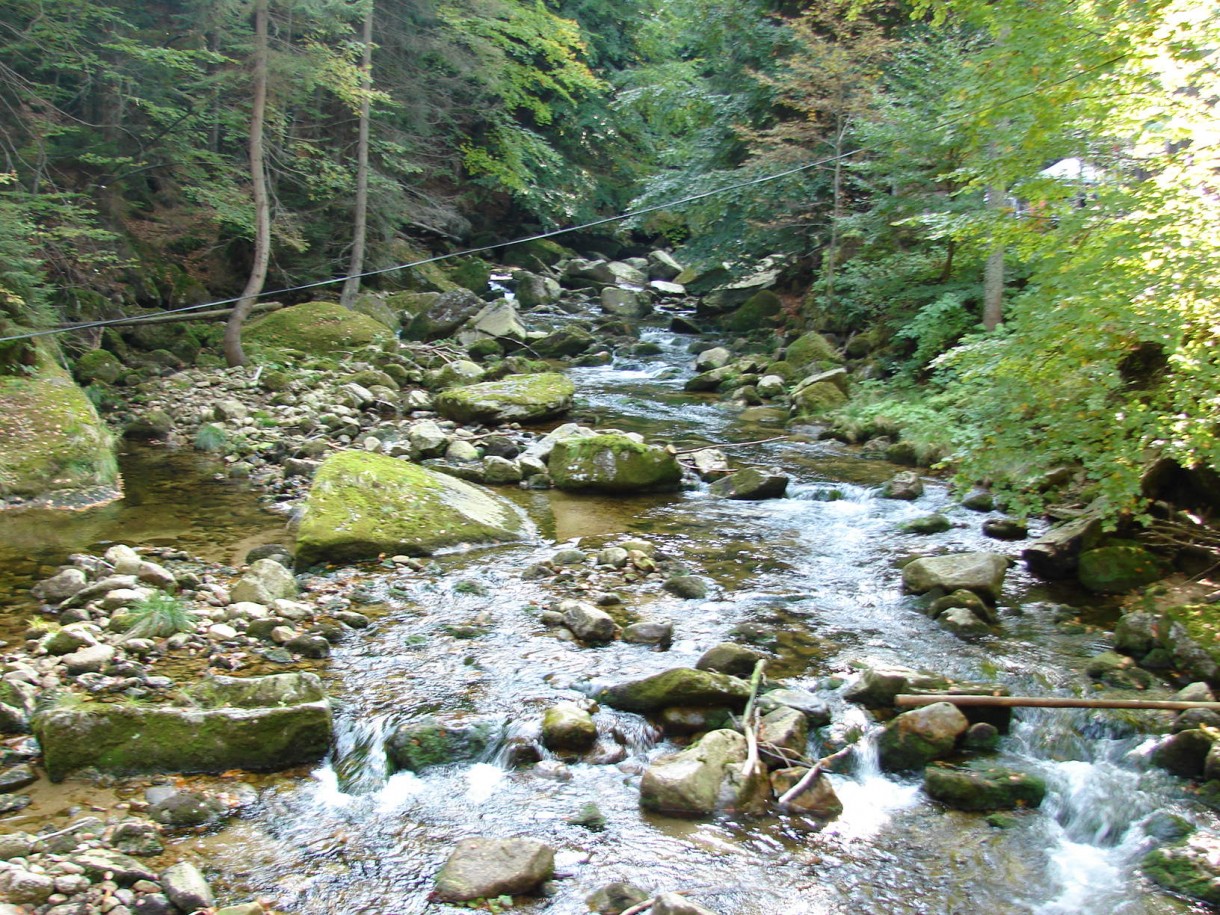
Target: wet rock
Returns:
[[877, 687], [1184, 753], [751, 484], [229, 729], [979, 500], [1005, 529], [684, 720], [1056, 553], [814, 709], [703, 778], [612, 462], [482, 868], [265, 581], [23, 887], [122, 869], [515, 398], [675, 904], [1136, 634], [588, 623], [1189, 868], [818, 800], [982, 573], [567, 726], [1118, 670], [180, 808], [416, 745], [136, 837], [927, 524], [963, 623], [983, 787], [625, 303], [916, 738], [1117, 569], [650, 632], [981, 737], [687, 587], [1195, 718], [729, 658], [186, 887], [906, 486], [363, 504], [14, 778], [679, 686], [783, 735], [614, 898]]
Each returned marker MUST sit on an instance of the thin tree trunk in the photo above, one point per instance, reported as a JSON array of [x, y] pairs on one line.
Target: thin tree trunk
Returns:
[[351, 288], [993, 273], [262, 203], [832, 249]]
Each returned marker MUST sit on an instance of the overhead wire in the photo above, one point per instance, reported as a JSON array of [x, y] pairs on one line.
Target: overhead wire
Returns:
[[540, 236]]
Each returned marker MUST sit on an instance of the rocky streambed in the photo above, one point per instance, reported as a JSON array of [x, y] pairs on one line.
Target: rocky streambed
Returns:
[[554, 723]]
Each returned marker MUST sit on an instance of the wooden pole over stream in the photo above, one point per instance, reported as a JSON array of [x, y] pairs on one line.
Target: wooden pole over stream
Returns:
[[908, 700]]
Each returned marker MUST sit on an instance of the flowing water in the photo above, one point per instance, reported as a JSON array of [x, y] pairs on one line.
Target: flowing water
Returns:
[[816, 576]]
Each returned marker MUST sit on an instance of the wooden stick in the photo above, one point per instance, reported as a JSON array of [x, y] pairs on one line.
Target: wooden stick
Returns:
[[752, 763], [907, 700], [812, 776], [761, 441]]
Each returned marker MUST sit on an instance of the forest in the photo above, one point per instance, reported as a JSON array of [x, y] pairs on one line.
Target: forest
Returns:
[[1011, 207]]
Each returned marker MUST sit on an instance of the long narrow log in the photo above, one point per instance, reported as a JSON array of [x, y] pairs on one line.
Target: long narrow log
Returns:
[[185, 317], [907, 700]]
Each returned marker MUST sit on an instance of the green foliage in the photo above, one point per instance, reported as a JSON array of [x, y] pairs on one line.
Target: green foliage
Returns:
[[159, 615], [936, 327]]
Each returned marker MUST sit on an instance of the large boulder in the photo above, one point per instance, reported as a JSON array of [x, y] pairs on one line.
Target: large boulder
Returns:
[[729, 296], [625, 303], [362, 505], [982, 573], [512, 399], [612, 462], [679, 686], [915, 738], [1118, 568], [705, 777], [260, 723], [534, 290], [444, 314], [1056, 554], [812, 351], [318, 329], [54, 444], [482, 868], [498, 320], [983, 787]]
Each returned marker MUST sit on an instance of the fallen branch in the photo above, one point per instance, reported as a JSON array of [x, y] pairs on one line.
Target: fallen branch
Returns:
[[812, 776], [649, 903], [761, 441], [906, 700], [749, 723]]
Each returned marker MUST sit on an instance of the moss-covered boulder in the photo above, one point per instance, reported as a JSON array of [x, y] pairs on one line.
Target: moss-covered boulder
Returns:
[[679, 686], [915, 738], [1189, 868], [416, 745], [444, 315], [812, 351], [515, 398], [98, 365], [1118, 568], [362, 505], [612, 462], [259, 723], [982, 787], [53, 445], [377, 308], [318, 329], [757, 313], [816, 399]]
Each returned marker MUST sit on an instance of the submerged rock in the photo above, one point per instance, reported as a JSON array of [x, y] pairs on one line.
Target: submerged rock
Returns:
[[362, 505], [515, 398], [231, 728], [416, 745], [614, 898], [703, 778], [482, 868]]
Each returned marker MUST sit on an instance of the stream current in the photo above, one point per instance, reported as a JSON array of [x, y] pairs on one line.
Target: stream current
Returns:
[[816, 574]]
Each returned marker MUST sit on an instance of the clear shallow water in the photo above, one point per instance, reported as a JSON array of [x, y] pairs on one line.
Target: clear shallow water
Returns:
[[817, 571]]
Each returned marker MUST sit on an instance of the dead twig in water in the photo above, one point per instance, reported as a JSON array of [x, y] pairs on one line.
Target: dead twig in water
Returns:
[[750, 724], [811, 776], [761, 441]]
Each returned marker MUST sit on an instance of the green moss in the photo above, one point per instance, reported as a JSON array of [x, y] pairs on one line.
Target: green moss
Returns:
[[515, 398], [817, 398], [362, 505], [54, 442], [679, 686], [756, 314], [612, 462], [1180, 870], [98, 365], [316, 329], [1202, 624], [473, 273], [983, 787], [1114, 569], [812, 351]]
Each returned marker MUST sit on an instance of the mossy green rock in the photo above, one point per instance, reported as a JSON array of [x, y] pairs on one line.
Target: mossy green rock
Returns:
[[317, 329], [1188, 868], [416, 745], [1117, 569], [981, 787], [53, 443], [810, 351], [98, 365], [817, 398], [679, 686], [915, 738], [259, 723], [365, 504], [611, 462], [515, 398]]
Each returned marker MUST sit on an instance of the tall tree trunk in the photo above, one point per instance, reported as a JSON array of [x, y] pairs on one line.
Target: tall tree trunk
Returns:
[[836, 213], [351, 288], [262, 202], [993, 273]]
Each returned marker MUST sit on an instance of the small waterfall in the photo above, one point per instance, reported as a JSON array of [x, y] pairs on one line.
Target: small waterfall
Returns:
[[360, 764]]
